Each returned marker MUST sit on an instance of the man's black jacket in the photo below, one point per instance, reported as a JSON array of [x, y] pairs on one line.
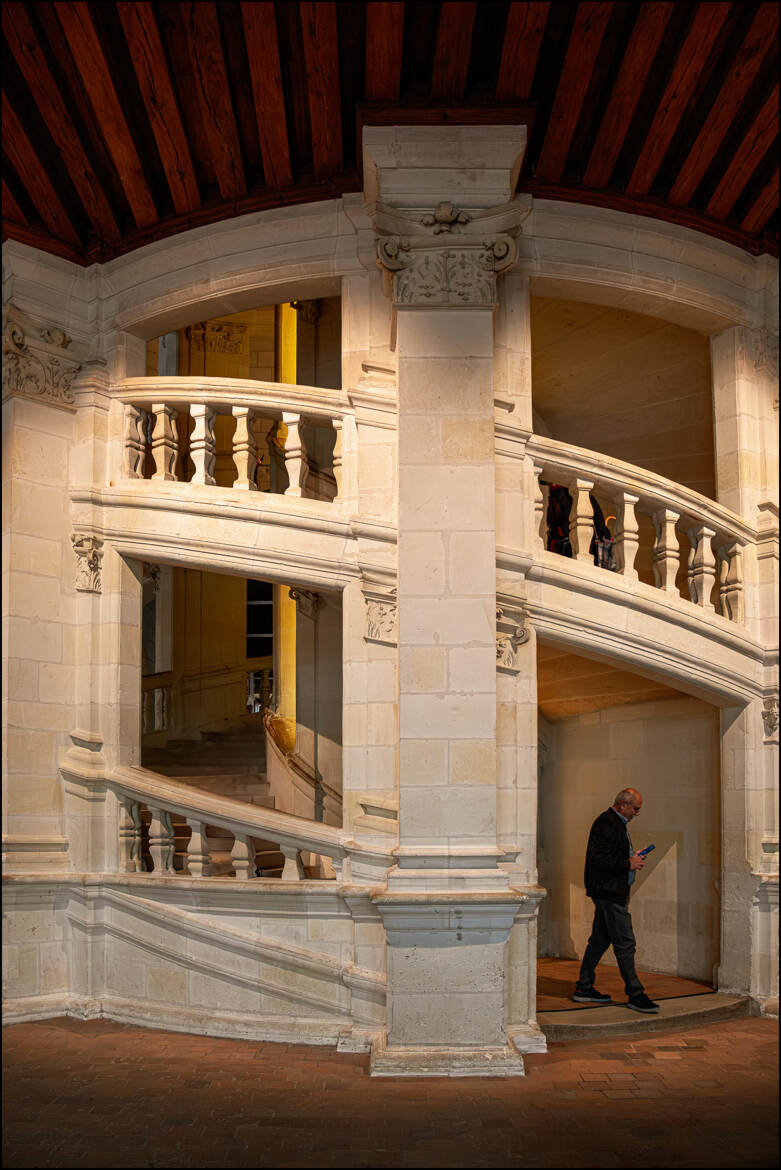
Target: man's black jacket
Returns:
[[607, 859]]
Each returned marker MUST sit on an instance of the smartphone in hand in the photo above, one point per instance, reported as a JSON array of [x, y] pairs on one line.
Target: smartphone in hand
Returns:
[[647, 849]]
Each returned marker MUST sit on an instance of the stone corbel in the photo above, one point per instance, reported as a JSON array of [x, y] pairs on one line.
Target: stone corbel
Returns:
[[89, 554], [307, 603], [511, 632], [770, 718], [37, 362]]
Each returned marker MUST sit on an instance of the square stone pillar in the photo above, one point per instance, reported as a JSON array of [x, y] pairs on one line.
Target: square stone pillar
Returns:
[[448, 908]]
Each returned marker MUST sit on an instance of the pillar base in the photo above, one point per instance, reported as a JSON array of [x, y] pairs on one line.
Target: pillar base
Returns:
[[404, 1060]]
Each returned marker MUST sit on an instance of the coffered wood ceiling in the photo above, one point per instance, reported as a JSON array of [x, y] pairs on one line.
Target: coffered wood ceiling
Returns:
[[127, 122]]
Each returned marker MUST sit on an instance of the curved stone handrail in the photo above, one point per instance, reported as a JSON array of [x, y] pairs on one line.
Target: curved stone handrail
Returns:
[[652, 490], [164, 795], [222, 394]]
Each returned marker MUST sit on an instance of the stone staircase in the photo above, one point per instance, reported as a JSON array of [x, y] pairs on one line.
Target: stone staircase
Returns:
[[226, 763]]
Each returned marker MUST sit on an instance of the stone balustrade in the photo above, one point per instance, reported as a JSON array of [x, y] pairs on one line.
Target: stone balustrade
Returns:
[[170, 433], [692, 546], [251, 827]]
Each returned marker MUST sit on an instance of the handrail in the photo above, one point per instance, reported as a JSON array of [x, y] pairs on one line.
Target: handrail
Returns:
[[614, 475], [164, 795], [222, 394]]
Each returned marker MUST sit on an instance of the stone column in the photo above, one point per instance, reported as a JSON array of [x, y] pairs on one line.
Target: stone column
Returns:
[[448, 908]]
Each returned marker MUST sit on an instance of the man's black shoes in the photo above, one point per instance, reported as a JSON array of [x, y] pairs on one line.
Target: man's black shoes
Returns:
[[591, 996], [641, 1003]]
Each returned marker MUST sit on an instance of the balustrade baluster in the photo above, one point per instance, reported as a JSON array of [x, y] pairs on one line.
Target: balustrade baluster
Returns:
[[164, 448], [540, 535], [295, 454], [294, 867], [702, 567], [161, 840], [203, 451], [134, 443], [667, 552], [199, 854], [243, 857], [336, 466], [244, 453], [130, 837], [731, 582], [581, 520], [627, 540]]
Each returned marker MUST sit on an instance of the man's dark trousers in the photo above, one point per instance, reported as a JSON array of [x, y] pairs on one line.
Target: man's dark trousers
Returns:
[[612, 925]]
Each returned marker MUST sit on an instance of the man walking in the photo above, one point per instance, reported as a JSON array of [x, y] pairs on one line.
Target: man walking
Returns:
[[611, 864]]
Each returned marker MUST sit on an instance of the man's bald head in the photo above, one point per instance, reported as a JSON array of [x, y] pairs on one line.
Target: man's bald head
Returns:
[[628, 802]]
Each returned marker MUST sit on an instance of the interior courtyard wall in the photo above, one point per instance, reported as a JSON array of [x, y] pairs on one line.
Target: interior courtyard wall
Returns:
[[669, 751]]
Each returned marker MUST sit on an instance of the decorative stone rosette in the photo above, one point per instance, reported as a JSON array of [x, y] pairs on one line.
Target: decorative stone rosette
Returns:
[[511, 632], [36, 361]]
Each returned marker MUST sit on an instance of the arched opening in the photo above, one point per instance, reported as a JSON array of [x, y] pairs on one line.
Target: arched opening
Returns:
[[603, 728]]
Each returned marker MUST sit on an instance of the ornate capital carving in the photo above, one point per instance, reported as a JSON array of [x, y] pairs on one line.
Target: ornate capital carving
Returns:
[[307, 603], [36, 362], [218, 337], [770, 718], [511, 632], [151, 575], [445, 217], [429, 274], [89, 554]]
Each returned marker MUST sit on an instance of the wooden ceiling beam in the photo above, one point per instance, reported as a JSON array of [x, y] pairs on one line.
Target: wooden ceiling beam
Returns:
[[154, 81], [759, 139], [757, 45], [213, 90], [29, 56], [384, 45], [650, 26], [588, 29], [451, 53], [32, 174], [690, 62], [11, 209], [260, 33], [96, 79], [321, 59], [763, 207], [521, 48]]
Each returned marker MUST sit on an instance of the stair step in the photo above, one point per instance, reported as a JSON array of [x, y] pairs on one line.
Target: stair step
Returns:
[[681, 1011]]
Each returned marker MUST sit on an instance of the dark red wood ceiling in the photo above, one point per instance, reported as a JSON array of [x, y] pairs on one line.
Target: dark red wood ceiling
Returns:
[[127, 122]]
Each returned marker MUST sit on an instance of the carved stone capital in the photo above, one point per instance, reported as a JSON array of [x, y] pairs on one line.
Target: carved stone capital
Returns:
[[151, 576], [429, 273], [36, 361], [307, 603], [89, 554], [381, 614], [770, 718], [218, 337], [511, 632]]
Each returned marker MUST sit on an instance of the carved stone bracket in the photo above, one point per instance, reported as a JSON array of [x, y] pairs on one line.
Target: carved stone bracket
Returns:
[[770, 718], [89, 554], [307, 603], [511, 632], [218, 337], [36, 363], [151, 576], [381, 615]]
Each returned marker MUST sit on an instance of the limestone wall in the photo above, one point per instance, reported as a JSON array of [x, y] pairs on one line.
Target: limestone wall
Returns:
[[669, 750]]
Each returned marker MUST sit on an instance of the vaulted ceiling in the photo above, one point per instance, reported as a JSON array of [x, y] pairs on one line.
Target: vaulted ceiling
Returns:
[[127, 122]]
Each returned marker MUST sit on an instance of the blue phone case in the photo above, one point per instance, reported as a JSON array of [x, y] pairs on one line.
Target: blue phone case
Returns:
[[647, 849]]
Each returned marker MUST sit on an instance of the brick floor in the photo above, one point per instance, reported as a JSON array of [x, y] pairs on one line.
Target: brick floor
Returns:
[[102, 1094]]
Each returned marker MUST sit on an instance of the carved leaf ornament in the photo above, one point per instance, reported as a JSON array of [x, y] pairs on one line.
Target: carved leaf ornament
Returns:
[[37, 374]]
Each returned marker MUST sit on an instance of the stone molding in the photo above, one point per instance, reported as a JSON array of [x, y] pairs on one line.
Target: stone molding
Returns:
[[511, 632], [89, 554], [36, 362]]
